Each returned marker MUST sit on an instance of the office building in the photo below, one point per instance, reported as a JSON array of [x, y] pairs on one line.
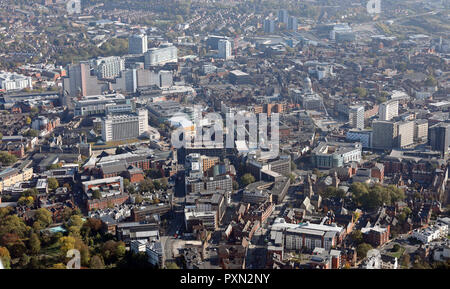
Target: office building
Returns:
[[80, 82], [224, 49], [388, 135], [160, 55], [108, 67], [362, 136], [439, 137], [13, 81], [283, 16], [405, 136], [127, 82], [165, 78], [293, 23], [356, 116], [137, 44], [420, 130], [102, 104], [388, 110], [239, 77], [311, 236], [384, 133], [124, 126], [329, 155], [213, 41], [269, 26]]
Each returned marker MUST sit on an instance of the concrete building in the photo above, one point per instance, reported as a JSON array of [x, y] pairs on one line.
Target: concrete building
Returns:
[[108, 67], [405, 133], [283, 16], [310, 236], [432, 233], [356, 116], [13, 81], [124, 126], [160, 55], [269, 26], [80, 82], [362, 136], [155, 253], [384, 133], [439, 137], [329, 155], [239, 77], [293, 23], [102, 104], [388, 110], [420, 130], [224, 49], [388, 135], [137, 44]]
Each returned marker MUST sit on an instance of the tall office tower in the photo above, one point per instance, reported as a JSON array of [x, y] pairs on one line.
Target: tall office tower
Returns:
[[108, 67], [117, 127], [269, 26], [292, 23], [420, 130], [439, 137], [137, 44], [80, 82], [165, 78], [283, 16], [127, 81], [388, 135], [383, 135], [160, 55], [405, 135], [356, 116], [224, 49], [388, 110]]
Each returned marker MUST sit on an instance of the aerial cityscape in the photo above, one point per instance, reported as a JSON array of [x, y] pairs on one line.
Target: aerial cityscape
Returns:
[[224, 134]]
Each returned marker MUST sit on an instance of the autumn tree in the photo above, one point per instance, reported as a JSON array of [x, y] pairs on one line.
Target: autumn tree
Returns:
[[247, 179]]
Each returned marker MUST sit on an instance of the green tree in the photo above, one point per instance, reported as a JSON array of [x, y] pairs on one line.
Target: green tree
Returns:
[[357, 237], [247, 179], [7, 159], [31, 133], [13, 224], [5, 257], [35, 244], [362, 250], [43, 216], [172, 265], [97, 195], [26, 201], [97, 263], [53, 184], [66, 243]]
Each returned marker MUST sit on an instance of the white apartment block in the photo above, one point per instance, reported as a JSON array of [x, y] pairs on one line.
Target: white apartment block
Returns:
[[430, 234], [108, 67], [388, 110], [356, 116], [124, 126], [137, 44], [224, 49], [160, 55], [13, 81]]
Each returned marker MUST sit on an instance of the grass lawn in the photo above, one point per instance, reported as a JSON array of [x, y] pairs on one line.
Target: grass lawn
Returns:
[[52, 251], [397, 254]]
